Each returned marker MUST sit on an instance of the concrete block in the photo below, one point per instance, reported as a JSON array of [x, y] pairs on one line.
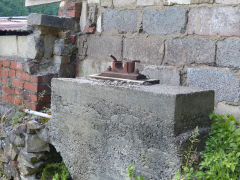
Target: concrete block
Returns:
[[93, 1], [223, 108], [227, 1], [228, 53], [102, 46], [39, 2], [92, 65], [124, 3], [145, 2], [120, 20], [172, 20], [8, 45], [181, 51], [167, 75], [50, 21], [22, 46], [146, 49], [171, 2], [224, 83], [222, 21], [106, 3], [62, 49], [109, 126], [84, 16]]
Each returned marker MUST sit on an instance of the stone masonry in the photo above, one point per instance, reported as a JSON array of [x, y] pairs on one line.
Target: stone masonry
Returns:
[[196, 38], [101, 128]]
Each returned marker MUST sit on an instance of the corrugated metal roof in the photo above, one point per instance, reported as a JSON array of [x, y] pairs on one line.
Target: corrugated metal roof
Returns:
[[13, 24]]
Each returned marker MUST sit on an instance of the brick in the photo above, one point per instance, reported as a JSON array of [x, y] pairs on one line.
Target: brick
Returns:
[[4, 81], [227, 1], [5, 63], [4, 98], [11, 73], [4, 72], [73, 39], [17, 82], [31, 87], [147, 49], [33, 98], [16, 65], [73, 13], [18, 91], [8, 90], [22, 75], [102, 46], [34, 79], [222, 21], [10, 99], [17, 101], [172, 20], [224, 83], [120, 20], [171, 2], [30, 105], [228, 53], [74, 6], [181, 51]]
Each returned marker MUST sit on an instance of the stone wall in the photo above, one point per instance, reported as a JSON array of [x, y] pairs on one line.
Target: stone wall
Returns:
[[181, 42]]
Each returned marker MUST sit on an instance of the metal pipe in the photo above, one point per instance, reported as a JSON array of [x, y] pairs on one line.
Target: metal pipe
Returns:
[[36, 113]]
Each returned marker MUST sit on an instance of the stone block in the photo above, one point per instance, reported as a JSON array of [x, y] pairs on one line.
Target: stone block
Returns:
[[228, 53], [103, 128], [35, 19], [62, 49], [8, 46], [223, 108], [102, 46], [171, 2], [120, 20], [224, 83], [169, 21], [181, 51], [124, 3], [167, 75], [147, 49], [223, 21], [35, 46], [106, 3], [34, 144], [93, 1], [92, 65], [227, 1]]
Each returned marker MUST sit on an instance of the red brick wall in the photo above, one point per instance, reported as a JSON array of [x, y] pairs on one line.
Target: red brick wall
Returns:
[[70, 9], [19, 87]]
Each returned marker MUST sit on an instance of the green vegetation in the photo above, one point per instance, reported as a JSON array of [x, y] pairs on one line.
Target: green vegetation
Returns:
[[55, 171], [130, 174], [220, 159], [17, 8]]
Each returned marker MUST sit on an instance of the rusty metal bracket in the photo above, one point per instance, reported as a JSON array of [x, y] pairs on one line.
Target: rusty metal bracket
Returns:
[[122, 70]]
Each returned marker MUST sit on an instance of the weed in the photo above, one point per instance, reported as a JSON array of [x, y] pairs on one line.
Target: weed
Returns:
[[221, 157], [55, 171], [130, 174]]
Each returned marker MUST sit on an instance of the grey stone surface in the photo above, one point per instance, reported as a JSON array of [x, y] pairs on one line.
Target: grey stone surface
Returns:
[[35, 19], [181, 51], [62, 49], [225, 84], [147, 49], [223, 21], [120, 20], [100, 130], [102, 46], [34, 144], [228, 53], [224, 108], [172, 20], [166, 75]]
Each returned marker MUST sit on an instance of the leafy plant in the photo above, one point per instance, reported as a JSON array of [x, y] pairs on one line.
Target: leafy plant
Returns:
[[55, 171], [18, 115], [130, 174], [221, 157]]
